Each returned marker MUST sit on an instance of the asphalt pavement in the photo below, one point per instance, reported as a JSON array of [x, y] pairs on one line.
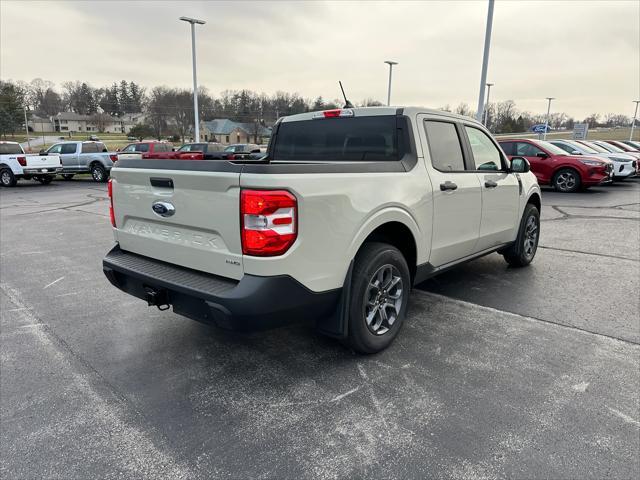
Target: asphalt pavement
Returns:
[[498, 372]]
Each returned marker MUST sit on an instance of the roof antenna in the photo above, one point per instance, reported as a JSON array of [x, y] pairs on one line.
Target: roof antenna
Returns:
[[347, 103]]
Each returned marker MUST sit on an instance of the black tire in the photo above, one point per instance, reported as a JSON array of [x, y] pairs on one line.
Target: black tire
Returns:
[[67, 176], [375, 262], [45, 179], [7, 178], [99, 173], [566, 180], [523, 251]]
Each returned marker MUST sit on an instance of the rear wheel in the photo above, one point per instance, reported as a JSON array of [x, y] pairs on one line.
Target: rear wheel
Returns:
[[380, 289], [7, 178], [566, 180], [67, 176], [98, 173], [521, 253]]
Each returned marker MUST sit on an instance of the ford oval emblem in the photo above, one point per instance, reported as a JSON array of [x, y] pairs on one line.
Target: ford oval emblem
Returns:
[[163, 209]]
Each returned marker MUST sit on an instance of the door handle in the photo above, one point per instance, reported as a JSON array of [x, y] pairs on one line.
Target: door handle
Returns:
[[490, 184], [448, 186]]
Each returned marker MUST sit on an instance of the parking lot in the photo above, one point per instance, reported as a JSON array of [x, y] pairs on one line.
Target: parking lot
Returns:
[[498, 372]]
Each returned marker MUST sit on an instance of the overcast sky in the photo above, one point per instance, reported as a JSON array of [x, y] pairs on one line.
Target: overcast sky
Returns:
[[585, 53]]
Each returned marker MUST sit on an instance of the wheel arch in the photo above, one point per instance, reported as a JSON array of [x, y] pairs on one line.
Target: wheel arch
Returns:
[[395, 227], [535, 199]]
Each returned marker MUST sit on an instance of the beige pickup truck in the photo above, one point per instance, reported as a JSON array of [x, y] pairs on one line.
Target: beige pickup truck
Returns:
[[349, 209]]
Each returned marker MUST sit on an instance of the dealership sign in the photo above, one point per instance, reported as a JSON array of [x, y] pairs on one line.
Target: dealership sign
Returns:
[[540, 128], [580, 131]]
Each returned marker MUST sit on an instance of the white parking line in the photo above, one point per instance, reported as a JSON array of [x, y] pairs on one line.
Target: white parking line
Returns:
[[53, 283]]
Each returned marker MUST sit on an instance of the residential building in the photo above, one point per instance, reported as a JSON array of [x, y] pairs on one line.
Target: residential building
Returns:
[[40, 124], [227, 131]]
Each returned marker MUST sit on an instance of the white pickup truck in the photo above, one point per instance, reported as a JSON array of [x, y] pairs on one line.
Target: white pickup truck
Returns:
[[15, 164], [349, 209]]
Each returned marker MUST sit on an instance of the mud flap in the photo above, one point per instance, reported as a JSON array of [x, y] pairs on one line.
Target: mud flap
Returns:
[[337, 325]]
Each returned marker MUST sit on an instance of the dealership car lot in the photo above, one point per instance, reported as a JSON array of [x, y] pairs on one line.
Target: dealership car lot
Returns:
[[498, 372]]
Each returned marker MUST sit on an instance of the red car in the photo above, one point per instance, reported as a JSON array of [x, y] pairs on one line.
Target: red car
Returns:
[[553, 166], [147, 149]]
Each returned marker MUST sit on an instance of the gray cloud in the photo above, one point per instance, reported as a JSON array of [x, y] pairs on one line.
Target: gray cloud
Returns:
[[587, 54]]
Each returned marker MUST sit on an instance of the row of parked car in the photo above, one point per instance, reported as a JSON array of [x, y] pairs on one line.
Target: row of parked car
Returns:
[[572, 165], [567, 165], [68, 158]]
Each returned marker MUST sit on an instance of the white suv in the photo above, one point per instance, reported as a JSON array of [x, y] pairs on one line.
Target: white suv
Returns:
[[349, 209]]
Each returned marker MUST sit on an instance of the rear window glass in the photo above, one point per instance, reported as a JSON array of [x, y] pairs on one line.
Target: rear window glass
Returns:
[[338, 139], [9, 148], [444, 146]]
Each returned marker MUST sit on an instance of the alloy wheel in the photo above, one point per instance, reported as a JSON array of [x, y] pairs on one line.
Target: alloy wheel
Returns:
[[383, 299], [530, 237], [566, 181], [5, 178]]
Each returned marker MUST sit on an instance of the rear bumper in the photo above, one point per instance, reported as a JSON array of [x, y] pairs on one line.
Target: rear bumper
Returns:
[[41, 171], [253, 303]]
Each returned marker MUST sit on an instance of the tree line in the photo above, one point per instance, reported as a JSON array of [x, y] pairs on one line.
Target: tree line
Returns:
[[169, 111]]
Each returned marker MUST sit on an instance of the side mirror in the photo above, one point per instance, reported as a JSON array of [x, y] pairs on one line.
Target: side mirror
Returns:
[[576, 152], [542, 155], [43, 152], [520, 165]]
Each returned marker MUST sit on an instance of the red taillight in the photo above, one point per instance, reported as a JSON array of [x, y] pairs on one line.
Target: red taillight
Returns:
[[112, 215], [114, 158], [22, 161], [268, 222]]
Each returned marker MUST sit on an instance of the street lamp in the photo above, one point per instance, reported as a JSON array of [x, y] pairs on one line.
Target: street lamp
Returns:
[[486, 108], [546, 125], [193, 23], [485, 61], [635, 114], [391, 63]]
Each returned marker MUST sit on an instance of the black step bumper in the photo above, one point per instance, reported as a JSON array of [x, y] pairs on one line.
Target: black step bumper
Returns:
[[253, 303]]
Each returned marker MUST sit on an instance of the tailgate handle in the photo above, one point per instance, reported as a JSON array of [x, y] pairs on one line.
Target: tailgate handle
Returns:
[[161, 182]]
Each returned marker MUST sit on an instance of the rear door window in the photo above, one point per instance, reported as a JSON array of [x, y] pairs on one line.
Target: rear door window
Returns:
[[372, 138], [444, 146], [11, 148], [89, 148], [142, 147]]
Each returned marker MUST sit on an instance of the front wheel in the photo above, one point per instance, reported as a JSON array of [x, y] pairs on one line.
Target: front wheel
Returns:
[[98, 173], [7, 178], [566, 180], [380, 289], [521, 253]]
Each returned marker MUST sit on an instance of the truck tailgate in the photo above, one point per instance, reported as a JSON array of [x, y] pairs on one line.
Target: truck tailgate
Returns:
[[185, 217], [42, 161]]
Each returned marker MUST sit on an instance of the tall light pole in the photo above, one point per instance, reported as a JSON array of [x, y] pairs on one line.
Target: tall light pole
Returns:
[[546, 123], [391, 63], [193, 23], [486, 108], [485, 61], [635, 115]]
